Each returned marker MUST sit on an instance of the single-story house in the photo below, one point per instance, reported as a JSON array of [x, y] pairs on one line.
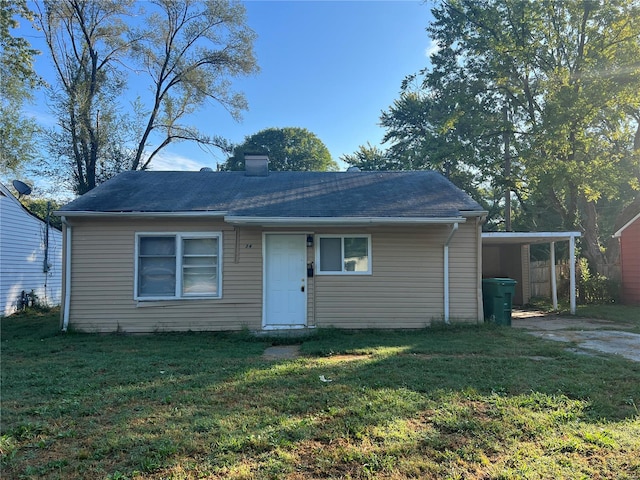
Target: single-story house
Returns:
[[628, 232], [177, 251], [30, 256]]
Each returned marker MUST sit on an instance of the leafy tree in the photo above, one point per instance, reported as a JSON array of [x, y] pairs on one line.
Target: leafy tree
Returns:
[[550, 88], [17, 81], [425, 131], [40, 206], [189, 50], [369, 157], [290, 148]]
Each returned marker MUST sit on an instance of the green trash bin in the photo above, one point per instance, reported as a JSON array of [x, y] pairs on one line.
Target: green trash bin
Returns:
[[497, 297]]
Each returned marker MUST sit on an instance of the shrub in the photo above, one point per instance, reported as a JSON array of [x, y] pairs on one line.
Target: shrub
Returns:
[[594, 288]]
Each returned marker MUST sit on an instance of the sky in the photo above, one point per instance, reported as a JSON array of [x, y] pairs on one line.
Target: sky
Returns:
[[331, 67]]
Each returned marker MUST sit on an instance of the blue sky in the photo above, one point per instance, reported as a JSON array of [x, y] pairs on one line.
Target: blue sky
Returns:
[[329, 66]]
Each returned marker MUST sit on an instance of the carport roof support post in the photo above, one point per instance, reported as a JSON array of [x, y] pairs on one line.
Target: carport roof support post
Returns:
[[554, 287], [572, 274]]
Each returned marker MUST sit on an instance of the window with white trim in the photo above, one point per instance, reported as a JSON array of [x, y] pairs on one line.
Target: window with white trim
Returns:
[[344, 254], [178, 265]]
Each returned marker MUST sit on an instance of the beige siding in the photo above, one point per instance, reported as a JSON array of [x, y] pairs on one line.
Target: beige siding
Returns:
[[463, 273], [405, 289], [103, 280], [311, 289]]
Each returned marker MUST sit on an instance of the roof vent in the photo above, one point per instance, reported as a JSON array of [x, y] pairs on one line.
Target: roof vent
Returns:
[[206, 169], [353, 169], [256, 165]]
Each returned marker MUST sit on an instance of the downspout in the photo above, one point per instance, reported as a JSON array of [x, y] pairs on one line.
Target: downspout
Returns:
[[67, 275], [446, 272], [479, 300]]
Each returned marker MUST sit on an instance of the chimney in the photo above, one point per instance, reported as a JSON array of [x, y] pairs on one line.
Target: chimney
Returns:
[[256, 165]]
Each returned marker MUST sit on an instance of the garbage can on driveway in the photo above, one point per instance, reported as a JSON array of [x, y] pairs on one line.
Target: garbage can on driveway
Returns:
[[497, 297]]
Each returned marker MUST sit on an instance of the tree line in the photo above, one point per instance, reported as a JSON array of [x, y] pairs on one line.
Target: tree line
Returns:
[[531, 107], [188, 51]]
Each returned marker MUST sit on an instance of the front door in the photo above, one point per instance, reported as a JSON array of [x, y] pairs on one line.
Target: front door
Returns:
[[285, 281]]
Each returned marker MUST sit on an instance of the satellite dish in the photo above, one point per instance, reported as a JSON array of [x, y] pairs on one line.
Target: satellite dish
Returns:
[[21, 187]]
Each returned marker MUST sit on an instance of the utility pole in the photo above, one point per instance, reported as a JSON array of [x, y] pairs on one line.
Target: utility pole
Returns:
[[507, 170]]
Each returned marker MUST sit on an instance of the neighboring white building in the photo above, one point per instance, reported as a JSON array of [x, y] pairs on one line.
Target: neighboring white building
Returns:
[[22, 256]]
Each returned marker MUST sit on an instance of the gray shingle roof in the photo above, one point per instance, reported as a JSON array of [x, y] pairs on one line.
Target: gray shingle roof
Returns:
[[280, 194]]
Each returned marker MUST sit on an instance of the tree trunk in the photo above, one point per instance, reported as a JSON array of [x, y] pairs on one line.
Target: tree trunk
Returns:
[[591, 248]]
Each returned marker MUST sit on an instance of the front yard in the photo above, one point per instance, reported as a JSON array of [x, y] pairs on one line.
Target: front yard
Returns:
[[458, 402]]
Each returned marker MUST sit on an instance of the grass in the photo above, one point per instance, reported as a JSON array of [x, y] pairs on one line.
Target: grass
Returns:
[[447, 402]]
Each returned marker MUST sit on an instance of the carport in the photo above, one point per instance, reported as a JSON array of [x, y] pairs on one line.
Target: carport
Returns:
[[506, 254]]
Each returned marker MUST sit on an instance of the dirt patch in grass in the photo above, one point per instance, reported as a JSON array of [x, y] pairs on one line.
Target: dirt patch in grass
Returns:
[[281, 352]]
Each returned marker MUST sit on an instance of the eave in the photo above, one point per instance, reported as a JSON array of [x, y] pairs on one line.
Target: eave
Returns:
[[71, 213], [523, 238], [625, 226], [280, 221]]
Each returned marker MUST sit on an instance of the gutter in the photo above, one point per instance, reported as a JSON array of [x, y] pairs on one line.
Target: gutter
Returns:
[[454, 229], [67, 274]]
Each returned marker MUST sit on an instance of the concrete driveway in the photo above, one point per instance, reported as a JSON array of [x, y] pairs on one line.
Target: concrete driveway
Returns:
[[586, 334]]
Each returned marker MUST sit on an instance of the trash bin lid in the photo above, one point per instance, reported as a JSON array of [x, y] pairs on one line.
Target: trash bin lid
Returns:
[[499, 281]]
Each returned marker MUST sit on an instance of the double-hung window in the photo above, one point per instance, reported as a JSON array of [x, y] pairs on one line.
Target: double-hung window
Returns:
[[344, 254], [178, 265]]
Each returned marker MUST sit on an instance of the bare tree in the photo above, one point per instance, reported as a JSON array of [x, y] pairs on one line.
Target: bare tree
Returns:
[[86, 44], [189, 49]]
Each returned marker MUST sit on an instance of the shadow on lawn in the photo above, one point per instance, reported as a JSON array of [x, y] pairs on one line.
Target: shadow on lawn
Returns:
[[116, 403], [426, 402]]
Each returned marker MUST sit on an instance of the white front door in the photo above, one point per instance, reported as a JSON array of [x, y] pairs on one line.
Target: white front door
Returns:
[[285, 281]]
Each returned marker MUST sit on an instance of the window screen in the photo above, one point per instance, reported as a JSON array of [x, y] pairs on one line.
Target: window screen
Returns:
[[344, 254]]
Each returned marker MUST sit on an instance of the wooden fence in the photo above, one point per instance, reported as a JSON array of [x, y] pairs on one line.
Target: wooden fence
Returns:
[[540, 277]]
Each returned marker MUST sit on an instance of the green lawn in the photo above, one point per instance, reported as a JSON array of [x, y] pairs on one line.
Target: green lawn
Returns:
[[461, 402]]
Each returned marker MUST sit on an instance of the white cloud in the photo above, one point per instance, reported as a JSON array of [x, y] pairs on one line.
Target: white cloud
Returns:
[[432, 49], [43, 118], [172, 162]]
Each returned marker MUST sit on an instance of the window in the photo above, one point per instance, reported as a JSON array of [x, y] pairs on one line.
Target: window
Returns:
[[348, 254], [180, 265]]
